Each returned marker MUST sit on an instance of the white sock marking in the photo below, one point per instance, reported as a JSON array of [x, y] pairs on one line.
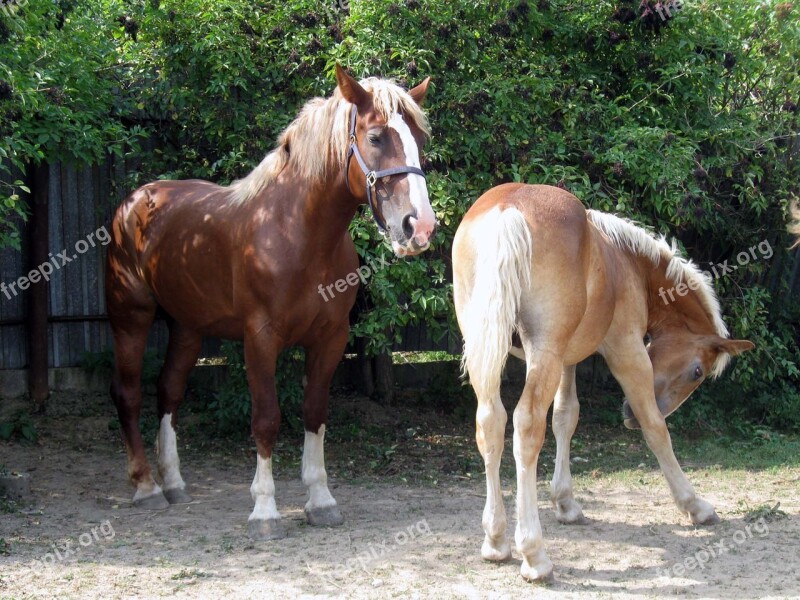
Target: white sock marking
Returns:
[[169, 464], [314, 476], [263, 492]]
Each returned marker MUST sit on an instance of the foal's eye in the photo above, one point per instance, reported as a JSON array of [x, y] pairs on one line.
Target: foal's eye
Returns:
[[374, 140], [698, 373]]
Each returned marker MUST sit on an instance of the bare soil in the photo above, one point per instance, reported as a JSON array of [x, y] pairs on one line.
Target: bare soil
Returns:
[[412, 530]]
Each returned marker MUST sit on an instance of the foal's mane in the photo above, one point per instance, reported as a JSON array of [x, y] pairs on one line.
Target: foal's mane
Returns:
[[628, 235], [317, 140]]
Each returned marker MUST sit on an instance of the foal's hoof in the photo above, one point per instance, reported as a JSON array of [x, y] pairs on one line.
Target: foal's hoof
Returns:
[[265, 529], [541, 573], [177, 496], [711, 519], [155, 501], [328, 516], [495, 552]]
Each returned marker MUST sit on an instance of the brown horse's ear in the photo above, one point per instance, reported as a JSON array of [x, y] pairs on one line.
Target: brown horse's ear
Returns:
[[351, 89], [418, 93], [734, 347]]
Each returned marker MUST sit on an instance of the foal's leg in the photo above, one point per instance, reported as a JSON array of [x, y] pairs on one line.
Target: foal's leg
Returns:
[[565, 419], [182, 352], [129, 327], [530, 423], [321, 361], [634, 372], [260, 354], [490, 429]]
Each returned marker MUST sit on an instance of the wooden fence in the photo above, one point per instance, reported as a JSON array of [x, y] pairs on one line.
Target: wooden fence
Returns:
[[81, 201]]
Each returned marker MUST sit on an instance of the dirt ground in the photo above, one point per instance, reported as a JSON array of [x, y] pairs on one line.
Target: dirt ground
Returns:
[[403, 537]]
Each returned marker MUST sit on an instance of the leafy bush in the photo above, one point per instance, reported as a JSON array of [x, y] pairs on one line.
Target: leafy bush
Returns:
[[687, 124], [230, 409]]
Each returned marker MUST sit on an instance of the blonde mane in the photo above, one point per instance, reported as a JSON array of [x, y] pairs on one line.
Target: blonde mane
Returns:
[[317, 140], [627, 235]]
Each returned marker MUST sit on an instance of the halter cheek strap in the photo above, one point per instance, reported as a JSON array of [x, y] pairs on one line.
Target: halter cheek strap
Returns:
[[370, 175]]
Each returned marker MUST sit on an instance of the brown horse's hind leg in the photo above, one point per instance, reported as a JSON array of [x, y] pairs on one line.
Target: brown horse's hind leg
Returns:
[[321, 361], [565, 419], [130, 339], [261, 350], [182, 352]]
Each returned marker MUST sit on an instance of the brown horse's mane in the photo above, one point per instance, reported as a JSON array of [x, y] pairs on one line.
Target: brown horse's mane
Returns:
[[628, 235], [317, 140]]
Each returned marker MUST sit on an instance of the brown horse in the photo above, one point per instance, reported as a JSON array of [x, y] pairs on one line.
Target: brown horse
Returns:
[[573, 282], [251, 261]]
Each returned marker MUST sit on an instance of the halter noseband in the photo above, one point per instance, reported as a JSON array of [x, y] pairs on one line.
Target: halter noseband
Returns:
[[371, 176]]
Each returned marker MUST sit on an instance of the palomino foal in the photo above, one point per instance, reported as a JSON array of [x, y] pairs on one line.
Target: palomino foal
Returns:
[[248, 262], [573, 282]]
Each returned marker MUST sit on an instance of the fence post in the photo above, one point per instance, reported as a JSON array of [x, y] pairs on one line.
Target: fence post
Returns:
[[38, 179]]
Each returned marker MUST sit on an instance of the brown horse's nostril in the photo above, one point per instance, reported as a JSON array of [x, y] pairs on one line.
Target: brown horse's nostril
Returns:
[[408, 225]]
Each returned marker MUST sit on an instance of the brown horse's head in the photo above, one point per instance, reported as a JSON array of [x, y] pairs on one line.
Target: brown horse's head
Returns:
[[681, 361], [390, 129]]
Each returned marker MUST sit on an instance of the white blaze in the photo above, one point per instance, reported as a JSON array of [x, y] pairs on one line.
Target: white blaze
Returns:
[[418, 190]]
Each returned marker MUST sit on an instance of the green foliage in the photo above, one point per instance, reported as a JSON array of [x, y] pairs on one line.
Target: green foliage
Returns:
[[230, 408], [689, 126], [20, 427]]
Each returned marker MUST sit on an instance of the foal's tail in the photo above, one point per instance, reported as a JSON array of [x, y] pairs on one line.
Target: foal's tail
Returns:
[[502, 272]]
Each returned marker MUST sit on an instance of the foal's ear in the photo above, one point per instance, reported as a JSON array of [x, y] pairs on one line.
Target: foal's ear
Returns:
[[418, 93], [734, 347], [351, 89]]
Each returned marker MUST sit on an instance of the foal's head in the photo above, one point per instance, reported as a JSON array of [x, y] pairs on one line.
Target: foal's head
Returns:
[[389, 131], [681, 362]]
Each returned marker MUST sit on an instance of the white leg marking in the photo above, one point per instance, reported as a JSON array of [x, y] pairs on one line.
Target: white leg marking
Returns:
[[169, 464], [263, 492], [314, 475], [146, 489], [565, 419], [418, 190], [491, 421]]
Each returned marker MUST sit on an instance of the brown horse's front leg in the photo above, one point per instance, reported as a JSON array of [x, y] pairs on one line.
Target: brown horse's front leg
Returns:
[[260, 355], [321, 361]]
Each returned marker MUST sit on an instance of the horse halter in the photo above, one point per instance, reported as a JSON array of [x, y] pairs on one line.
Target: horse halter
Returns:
[[371, 176]]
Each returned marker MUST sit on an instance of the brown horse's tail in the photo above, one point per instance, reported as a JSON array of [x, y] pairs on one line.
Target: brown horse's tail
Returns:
[[794, 226], [502, 273]]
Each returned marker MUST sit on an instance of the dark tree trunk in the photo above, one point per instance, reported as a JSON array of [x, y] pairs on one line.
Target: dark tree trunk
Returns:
[[384, 378], [38, 178]]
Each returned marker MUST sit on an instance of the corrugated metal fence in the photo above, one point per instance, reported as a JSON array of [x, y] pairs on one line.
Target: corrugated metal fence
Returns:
[[81, 201]]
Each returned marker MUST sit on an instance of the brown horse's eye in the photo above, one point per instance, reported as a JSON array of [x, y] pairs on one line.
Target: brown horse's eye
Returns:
[[698, 373], [374, 140]]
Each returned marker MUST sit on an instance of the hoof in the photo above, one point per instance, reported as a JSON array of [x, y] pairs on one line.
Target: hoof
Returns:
[[265, 529], [495, 553], [712, 519], [329, 516], [569, 520], [177, 496], [541, 573], [155, 501]]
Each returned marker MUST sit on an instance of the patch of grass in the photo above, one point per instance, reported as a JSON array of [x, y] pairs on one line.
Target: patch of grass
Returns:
[[764, 512], [189, 574], [8, 506]]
